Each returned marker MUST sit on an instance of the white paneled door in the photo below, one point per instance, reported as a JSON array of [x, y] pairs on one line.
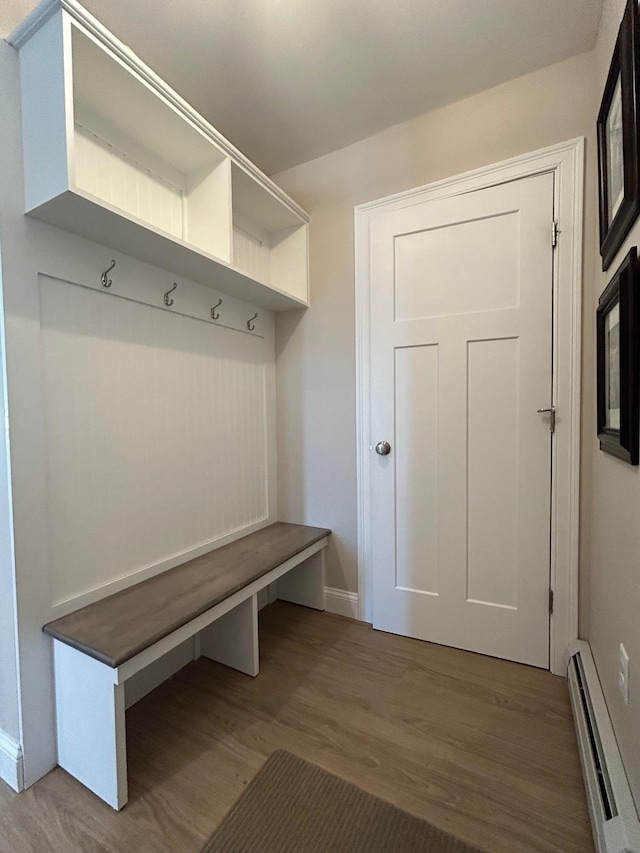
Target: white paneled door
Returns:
[[461, 361]]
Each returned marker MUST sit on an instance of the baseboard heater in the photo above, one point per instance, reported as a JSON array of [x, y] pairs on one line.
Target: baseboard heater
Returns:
[[613, 814]]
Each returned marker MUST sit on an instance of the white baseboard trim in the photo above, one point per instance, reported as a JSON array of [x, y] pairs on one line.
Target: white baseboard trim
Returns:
[[341, 602], [11, 769]]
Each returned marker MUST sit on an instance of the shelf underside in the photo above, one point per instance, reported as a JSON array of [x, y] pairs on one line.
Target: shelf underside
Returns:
[[79, 214]]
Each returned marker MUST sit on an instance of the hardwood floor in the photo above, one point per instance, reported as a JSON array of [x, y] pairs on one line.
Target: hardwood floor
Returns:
[[480, 747]]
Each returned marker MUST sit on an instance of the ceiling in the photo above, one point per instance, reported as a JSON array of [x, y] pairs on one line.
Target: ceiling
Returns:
[[289, 80]]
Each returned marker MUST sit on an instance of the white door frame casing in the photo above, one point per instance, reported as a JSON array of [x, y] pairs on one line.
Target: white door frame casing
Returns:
[[566, 162]]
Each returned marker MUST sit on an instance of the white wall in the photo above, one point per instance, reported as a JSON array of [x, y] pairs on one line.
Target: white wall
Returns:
[[138, 436], [316, 351], [612, 545]]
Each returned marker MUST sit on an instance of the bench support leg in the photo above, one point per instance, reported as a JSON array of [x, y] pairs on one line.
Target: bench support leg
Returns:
[[91, 724], [305, 583], [233, 638]]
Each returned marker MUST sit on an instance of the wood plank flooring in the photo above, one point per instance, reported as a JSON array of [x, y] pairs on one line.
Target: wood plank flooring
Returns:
[[480, 747]]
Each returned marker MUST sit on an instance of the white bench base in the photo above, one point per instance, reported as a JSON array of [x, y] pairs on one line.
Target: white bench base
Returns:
[[90, 696]]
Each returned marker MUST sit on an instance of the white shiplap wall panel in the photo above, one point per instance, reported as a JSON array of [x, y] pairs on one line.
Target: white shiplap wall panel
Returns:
[[251, 248], [104, 171], [156, 434]]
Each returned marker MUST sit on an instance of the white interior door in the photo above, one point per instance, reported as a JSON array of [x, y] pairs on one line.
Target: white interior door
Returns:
[[461, 360]]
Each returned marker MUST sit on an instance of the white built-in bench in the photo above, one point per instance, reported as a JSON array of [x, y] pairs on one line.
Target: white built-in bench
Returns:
[[98, 648]]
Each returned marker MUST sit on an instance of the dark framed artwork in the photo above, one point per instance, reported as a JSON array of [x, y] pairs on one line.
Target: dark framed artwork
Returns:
[[619, 139], [618, 354]]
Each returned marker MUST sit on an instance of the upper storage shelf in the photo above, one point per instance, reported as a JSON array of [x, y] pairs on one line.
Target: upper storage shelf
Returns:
[[115, 155]]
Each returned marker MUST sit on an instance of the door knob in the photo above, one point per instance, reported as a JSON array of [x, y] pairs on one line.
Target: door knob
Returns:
[[383, 448]]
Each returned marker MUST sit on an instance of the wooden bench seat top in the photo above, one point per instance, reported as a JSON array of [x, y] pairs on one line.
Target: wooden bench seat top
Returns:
[[117, 628]]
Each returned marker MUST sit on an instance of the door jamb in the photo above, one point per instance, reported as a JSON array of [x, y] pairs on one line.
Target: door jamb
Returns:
[[566, 162]]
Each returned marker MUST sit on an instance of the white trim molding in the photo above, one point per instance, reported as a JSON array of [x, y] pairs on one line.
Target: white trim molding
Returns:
[[341, 602], [11, 762], [566, 162]]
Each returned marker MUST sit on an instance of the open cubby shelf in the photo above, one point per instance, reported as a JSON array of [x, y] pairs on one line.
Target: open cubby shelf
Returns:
[[113, 154]]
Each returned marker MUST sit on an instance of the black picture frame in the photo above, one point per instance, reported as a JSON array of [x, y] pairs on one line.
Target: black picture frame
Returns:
[[618, 363], [618, 146]]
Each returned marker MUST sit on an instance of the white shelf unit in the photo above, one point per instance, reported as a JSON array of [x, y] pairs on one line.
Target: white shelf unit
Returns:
[[115, 155], [268, 241]]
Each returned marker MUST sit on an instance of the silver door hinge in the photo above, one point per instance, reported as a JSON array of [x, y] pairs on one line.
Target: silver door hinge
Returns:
[[554, 233], [550, 602]]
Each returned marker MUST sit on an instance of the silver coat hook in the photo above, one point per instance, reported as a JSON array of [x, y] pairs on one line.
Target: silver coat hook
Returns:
[[251, 327], [106, 282], [168, 301], [216, 315]]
